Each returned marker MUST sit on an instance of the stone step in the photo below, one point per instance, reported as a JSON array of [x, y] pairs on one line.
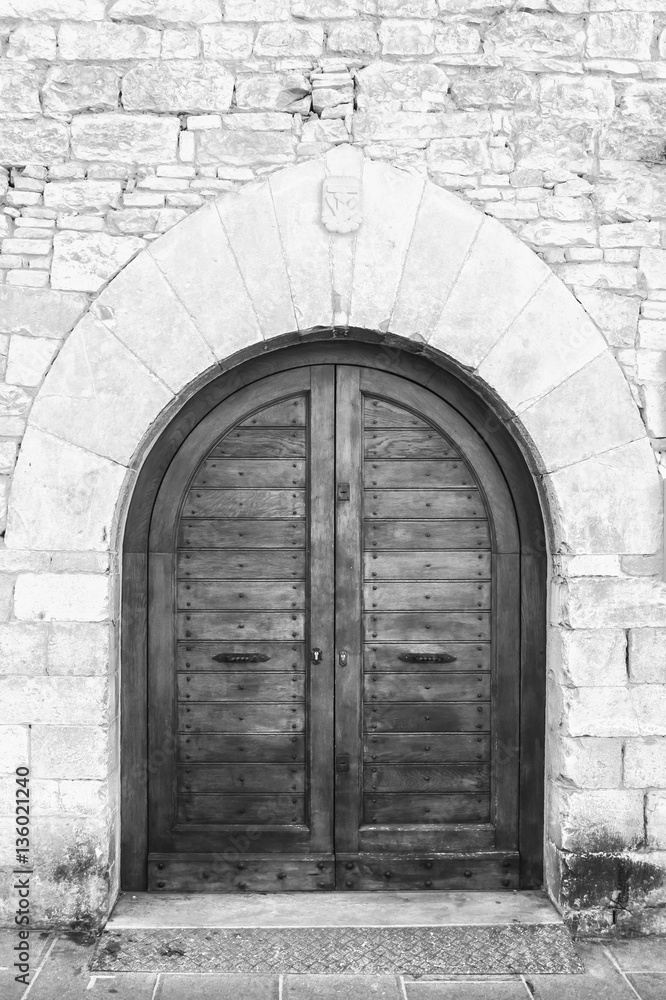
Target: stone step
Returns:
[[415, 933]]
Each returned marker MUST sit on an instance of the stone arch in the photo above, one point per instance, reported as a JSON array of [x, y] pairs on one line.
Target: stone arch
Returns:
[[257, 270], [259, 265]]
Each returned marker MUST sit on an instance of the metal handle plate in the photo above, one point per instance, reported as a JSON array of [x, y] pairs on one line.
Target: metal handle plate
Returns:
[[316, 655], [342, 657]]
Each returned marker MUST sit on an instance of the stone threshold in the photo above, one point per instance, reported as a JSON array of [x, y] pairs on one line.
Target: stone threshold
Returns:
[[415, 933]]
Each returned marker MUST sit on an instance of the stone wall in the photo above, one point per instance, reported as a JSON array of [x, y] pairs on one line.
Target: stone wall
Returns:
[[118, 118]]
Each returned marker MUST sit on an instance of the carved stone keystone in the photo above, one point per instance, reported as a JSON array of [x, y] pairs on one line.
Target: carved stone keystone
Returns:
[[341, 204]]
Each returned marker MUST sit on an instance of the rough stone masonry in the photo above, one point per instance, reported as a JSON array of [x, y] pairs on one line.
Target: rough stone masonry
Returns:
[[118, 118]]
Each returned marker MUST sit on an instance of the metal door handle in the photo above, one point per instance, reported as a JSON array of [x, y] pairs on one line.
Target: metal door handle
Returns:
[[342, 657]]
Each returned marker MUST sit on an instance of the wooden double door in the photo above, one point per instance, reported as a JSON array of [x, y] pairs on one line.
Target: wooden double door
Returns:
[[333, 645]]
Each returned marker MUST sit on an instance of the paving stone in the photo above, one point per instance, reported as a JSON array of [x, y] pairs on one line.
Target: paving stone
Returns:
[[650, 986], [226, 986], [482, 990], [643, 955], [341, 988]]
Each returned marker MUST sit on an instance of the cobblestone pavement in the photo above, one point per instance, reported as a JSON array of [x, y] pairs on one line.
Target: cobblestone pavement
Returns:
[[620, 970]]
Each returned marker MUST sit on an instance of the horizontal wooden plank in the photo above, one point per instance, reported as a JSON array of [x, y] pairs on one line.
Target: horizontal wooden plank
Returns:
[[274, 778], [439, 717], [422, 503], [467, 656], [232, 473], [424, 807], [396, 443], [406, 626], [417, 748], [382, 413], [451, 534], [261, 442], [408, 473], [230, 533], [490, 871], [426, 686], [427, 565], [203, 655], [254, 807], [411, 838], [242, 685], [241, 564], [289, 412], [242, 503], [240, 717], [234, 625], [211, 747], [426, 778], [241, 873], [222, 595], [440, 595]]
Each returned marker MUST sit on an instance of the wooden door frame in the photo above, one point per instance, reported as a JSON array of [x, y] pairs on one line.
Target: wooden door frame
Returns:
[[492, 422]]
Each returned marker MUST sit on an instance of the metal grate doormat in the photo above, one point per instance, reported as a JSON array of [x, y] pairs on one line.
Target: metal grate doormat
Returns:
[[452, 950]]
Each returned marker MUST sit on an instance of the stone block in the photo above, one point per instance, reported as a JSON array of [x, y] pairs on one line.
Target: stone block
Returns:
[[355, 38], [375, 289], [85, 261], [211, 288], [412, 126], [125, 138], [55, 10], [579, 98], [546, 233], [515, 365], [69, 797], [19, 94], [82, 196], [315, 10], [524, 34], [549, 144], [180, 43], [252, 231], [255, 149], [647, 655], [181, 86], [78, 649], [72, 87], [458, 156], [586, 762], [7, 456], [608, 503], [432, 265], [28, 359], [22, 649], [305, 242], [61, 597], [501, 88], [108, 41], [472, 320], [143, 311], [630, 191], [14, 402], [32, 41], [257, 10], [645, 762], [69, 701], [227, 41], [407, 8], [630, 234], [62, 497], [396, 83], [285, 40], [406, 38], [259, 121], [33, 140], [591, 412], [94, 375], [601, 819], [71, 752], [605, 603], [616, 315], [457, 39], [14, 752], [655, 817], [652, 334], [589, 657], [272, 92], [652, 264], [653, 398], [620, 35], [166, 11]]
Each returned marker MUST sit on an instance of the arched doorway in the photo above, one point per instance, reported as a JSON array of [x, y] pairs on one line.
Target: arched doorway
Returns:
[[334, 623]]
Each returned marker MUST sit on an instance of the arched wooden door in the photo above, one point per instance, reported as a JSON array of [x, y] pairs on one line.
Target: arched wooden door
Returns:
[[333, 645]]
